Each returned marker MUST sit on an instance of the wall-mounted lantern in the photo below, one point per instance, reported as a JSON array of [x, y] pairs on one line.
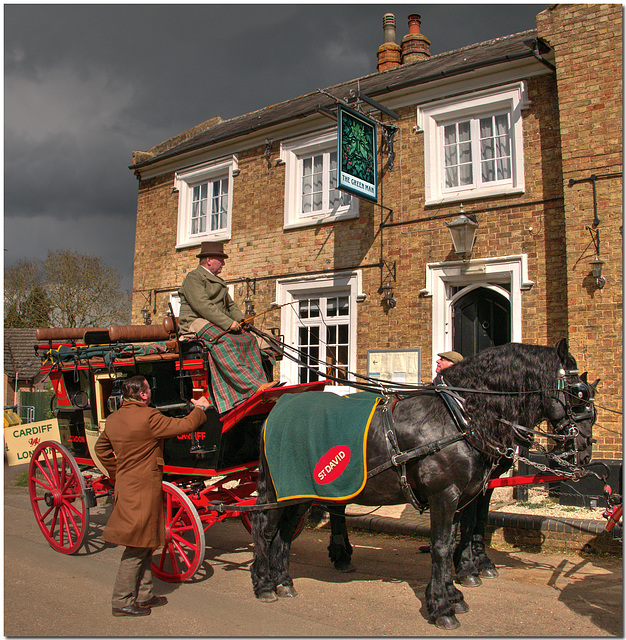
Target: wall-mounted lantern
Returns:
[[248, 306], [388, 300], [147, 318], [596, 266], [463, 232], [247, 301]]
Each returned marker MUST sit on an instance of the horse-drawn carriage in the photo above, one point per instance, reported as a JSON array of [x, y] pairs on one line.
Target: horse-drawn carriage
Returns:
[[215, 464], [438, 447]]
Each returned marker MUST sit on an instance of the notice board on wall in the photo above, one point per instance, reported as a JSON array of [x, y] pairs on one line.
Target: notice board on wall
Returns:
[[395, 365]]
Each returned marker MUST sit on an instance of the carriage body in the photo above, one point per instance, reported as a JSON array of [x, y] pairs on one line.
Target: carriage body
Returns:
[[215, 464]]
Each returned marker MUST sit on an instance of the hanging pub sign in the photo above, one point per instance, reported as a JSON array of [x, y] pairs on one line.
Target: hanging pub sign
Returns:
[[357, 154]]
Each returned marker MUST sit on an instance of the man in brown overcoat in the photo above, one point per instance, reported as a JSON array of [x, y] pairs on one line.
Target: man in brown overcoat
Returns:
[[131, 450]]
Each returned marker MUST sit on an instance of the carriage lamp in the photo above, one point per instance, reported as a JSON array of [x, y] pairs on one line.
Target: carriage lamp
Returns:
[[388, 300], [596, 266], [463, 232], [147, 318]]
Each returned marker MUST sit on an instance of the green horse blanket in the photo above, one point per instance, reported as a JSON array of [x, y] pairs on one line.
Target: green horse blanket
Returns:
[[315, 444]]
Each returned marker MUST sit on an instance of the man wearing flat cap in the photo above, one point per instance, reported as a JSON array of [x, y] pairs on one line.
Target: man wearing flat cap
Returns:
[[207, 309], [447, 359]]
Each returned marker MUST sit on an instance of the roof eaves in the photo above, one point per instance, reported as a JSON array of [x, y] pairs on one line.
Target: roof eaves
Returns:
[[369, 83]]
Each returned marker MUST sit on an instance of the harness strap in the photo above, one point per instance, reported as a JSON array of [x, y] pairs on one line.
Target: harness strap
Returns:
[[419, 452], [527, 432], [398, 458]]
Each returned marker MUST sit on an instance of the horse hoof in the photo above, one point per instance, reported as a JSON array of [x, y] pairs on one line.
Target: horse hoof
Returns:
[[345, 567], [267, 596], [469, 581], [489, 573], [286, 591], [461, 607], [447, 622]]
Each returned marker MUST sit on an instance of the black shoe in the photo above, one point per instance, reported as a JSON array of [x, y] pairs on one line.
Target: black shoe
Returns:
[[155, 601], [131, 610]]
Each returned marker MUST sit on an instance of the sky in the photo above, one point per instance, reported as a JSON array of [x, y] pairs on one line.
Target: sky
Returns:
[[86, 84]]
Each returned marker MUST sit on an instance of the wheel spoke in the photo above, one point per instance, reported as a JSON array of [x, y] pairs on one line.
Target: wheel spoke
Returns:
[[174, 560], [181, 554], [183, 542]]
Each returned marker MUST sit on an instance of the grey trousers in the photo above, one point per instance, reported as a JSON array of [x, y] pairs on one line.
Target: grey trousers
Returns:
[[134, 578]]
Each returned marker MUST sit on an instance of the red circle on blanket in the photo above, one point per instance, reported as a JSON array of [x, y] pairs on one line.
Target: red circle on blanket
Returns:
[[332, 464]]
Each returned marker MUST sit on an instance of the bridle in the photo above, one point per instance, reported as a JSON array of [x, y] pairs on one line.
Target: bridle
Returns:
[[577, 399]]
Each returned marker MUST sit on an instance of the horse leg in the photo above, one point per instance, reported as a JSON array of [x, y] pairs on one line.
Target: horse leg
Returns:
[[443, 599], [280, 549], [486, 567], [339, 549], [467, 571], [264, 530]]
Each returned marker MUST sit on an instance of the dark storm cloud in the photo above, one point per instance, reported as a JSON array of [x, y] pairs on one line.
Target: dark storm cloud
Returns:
[[85, 85]]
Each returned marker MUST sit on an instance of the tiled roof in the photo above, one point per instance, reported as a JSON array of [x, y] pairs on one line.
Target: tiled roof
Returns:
[[457, 62], [19, 353]]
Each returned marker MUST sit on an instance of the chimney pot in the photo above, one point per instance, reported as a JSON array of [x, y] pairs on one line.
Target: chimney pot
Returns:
[[414, 23], [389, 53], [389, 27], [415, 46]]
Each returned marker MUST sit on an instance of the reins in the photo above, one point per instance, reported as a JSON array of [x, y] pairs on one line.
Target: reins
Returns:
[[454, 404], [384, 387]]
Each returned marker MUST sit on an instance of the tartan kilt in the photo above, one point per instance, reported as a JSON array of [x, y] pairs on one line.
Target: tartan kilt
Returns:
[[235, 366]]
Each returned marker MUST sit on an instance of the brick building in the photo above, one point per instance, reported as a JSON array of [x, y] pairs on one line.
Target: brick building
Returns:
[[521, 133]]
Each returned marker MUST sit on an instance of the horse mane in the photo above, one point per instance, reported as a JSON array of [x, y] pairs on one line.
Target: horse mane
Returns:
[[531, 370]]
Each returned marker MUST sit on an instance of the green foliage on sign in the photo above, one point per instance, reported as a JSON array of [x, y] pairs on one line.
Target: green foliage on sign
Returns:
[[357, 148]]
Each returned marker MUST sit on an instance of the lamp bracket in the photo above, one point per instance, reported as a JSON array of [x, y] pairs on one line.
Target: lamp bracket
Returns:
[[391, 271], [595, 238]]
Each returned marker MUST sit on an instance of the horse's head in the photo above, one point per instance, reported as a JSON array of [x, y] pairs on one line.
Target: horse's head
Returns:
[[571, 409]]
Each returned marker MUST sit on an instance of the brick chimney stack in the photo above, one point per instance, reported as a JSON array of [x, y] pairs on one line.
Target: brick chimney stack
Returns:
[[415, 46], [389, 53]]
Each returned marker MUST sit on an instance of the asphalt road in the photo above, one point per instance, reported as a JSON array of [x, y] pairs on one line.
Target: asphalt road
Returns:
[[50, 594]]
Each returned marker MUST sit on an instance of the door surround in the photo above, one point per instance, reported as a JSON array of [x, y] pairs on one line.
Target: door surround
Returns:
[[490, 273]]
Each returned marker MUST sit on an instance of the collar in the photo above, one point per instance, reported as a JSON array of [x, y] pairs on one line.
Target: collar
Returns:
[[133, 401], [210, 274]]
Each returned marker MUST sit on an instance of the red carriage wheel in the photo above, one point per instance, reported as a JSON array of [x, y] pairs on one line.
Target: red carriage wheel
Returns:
[[57, 495], [185, 545]]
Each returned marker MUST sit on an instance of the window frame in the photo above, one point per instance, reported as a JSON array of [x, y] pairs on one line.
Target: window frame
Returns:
[[289, 290], [292, 154], [185, 181], [434, 116]]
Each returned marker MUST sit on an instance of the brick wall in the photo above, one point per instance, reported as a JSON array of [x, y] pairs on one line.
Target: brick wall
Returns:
[[587, 41], [547, 222]]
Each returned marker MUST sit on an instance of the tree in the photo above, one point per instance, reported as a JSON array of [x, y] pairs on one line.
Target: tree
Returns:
[[26, 303], [67, 289]]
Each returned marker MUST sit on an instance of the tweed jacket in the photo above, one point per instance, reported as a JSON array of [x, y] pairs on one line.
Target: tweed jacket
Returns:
[[131, 450], [205, 295]]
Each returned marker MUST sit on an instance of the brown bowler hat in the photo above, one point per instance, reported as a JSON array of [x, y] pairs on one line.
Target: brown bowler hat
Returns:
[[212, 249], [453, 356]]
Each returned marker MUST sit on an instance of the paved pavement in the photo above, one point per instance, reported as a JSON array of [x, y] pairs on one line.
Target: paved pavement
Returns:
[[547, 594]]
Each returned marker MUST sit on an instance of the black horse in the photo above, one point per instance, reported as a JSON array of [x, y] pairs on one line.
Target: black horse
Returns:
[[514, 387], [471, 561]]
